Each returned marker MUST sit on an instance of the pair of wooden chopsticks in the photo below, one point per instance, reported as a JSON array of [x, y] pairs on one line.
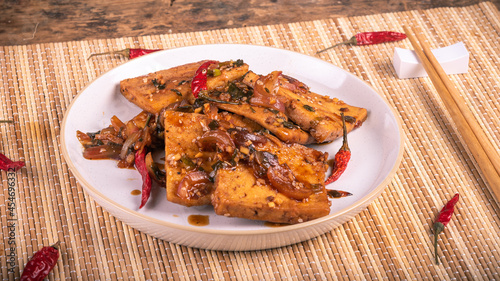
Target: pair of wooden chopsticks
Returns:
[[482, 150]]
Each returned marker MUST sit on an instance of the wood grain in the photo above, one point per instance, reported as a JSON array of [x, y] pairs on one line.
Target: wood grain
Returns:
[[28, 22]]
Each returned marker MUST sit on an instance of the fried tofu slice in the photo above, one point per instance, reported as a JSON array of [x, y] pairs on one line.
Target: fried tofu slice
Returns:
[[229, 120], [183, 157], [319, 115], [229, 71], [157, 90], [181, 132], [240, 121], [274, 121], [238, 193]]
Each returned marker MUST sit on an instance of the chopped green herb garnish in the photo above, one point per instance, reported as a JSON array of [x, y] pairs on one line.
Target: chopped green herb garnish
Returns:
[[187, 161], [177, 92], [182, 82], [309, 108], [215, 167], [158, 85], [238, 93], [275, 111], [288, 124], [239, 62], [349, 119], [216, 72]]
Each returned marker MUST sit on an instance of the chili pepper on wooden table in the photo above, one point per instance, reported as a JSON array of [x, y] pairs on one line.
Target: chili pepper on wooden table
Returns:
[[42, 262], [130, 53], [442, 220], [199, 81], [342, 157], [7, 164], [370, 38]]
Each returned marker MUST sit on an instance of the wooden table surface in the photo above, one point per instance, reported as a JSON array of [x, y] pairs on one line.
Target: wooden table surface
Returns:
[[28, 22]]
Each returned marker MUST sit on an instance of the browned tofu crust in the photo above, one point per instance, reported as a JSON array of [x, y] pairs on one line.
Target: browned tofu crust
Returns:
[[181, 132], [275, 122], [239, 193], [157, 90], [317, 114]]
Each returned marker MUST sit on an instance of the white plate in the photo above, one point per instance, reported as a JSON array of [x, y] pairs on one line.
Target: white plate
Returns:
[[376, 151]]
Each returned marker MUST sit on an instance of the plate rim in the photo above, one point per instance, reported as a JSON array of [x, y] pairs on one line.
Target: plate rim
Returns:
[[362, 203]]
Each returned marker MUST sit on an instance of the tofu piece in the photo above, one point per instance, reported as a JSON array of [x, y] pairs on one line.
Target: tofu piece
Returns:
[[317, 114], [157, 90], [227, 120], [238, 193], [145, 92], [228, 74], [240, 121], [181, 132], [276, 123]]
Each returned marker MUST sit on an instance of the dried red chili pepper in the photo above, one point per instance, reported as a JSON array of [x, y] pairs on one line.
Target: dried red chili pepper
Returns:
[[199, 81], [332, 193], [42, 262], [370, 38], [341, 158], [443, 218], [140, 164], [129, 53], [7, 164]]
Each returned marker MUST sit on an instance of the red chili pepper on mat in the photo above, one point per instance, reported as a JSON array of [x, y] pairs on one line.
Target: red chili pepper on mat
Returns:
[[442, 220], [140, 164], [341, 158], [129, 53], [370, 38], [199, 82], [42, 262], [6, 163]]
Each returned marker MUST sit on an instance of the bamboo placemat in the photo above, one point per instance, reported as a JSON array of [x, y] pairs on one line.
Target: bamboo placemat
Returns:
[[391, 239]]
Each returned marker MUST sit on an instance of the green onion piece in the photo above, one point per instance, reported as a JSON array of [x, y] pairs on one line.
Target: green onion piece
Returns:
[[216, 72]]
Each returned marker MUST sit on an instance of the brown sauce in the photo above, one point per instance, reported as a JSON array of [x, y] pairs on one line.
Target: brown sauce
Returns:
[[198, 220], [274, 224], [135, 192], [160, 166]]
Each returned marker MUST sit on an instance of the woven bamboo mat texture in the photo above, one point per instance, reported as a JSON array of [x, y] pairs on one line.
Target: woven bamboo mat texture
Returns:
[[391, 239]]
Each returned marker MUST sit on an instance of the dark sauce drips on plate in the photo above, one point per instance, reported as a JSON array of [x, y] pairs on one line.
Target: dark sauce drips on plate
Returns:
[[198, 220]]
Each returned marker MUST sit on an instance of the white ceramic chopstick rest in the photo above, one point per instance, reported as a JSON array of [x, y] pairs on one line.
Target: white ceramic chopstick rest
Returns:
[[454, 59]]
